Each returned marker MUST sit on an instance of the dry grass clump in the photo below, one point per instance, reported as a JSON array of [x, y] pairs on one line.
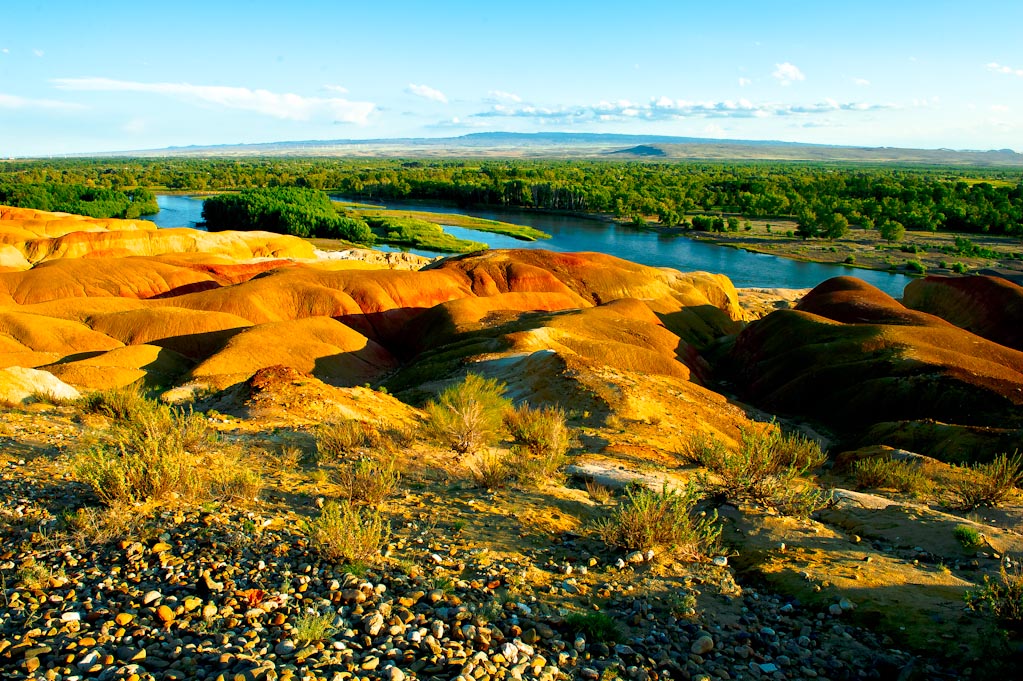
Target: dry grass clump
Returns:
[[338, 439], [598, 492], [490, 469], [160, 451], [645, 519], [468, 416], [313, 627], [366, 480], [544, 437], [122, 404], [887, 473], [91, 525], [987, 484], [348, 533], [762, 469]]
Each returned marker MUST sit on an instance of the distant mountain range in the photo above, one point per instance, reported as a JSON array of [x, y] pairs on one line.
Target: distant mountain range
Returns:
[[589, 145]]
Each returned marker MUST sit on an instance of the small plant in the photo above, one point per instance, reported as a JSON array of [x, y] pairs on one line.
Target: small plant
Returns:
[[490, 469], [598, 492], [885, 472], [916, 266], [645, 519], [468, 416], [681, 604], [90, 525], [545, 443], [401, 436], [123, 404], [290, 457], [1002, 598], [960, 268], [762, 469], [344, 532], [987, 484], [595, 626], [337, 439], [312, 627], [367, 480], [968, 536], [35, 576]]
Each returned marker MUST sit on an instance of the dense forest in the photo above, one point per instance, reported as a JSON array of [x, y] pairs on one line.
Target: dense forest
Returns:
[[286, 210], [97, 202], [826, 200]]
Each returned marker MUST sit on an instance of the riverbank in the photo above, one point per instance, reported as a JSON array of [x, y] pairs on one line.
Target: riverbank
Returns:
[[917, 253]]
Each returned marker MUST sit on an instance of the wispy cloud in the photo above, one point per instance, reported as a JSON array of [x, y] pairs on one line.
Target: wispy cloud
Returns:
[[743, 82], [38, 53], [16, 102], [503, 96], [340, 89], [665, 108], [275, 104], [787, 73], [6, 50], [426, 92], [1002, 68], [862, 82]]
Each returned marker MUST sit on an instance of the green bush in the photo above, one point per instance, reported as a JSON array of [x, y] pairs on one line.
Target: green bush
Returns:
[[645, 519], [763, 467], [916, 266], [1002, 598], [367, 480], [337, 439], [968, 536], [124, 404], [345, 532], [987, 484], [544, 437], [597, 627], [470, 415], [884, 472]]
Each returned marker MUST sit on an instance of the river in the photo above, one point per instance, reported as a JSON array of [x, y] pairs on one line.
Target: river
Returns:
[[570, 233]]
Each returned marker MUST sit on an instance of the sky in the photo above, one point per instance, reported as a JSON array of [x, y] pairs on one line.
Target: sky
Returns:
[[79, 77]]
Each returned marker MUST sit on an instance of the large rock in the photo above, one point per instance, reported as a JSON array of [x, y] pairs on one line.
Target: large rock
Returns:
[[21, 385]]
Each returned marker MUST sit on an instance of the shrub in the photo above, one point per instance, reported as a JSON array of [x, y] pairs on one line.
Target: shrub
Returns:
[[367, 480], [968, 536], [545, 443], [163, 451], [123, 404], [336, 439], [881, 472], [762, 469], [90, 525], [597, 627], [1003, 599], [987, 484], [312, 627], [916, 266], [345, 532], [490, 469], [598, 492], [645, 519], [468, 416]]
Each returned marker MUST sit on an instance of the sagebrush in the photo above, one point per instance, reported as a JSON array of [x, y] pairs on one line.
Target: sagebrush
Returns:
[[987, 484], [349, 533], [469, 416], [885, 472]]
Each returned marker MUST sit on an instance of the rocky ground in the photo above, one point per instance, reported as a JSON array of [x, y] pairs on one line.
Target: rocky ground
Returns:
[[474, 584]]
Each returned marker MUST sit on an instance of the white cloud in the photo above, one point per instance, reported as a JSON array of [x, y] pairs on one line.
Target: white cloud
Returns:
[[275, 104], [665, 108], [743, 82], [135, 126], [6, 50], [427, 92], [340, 89], [862, 82], [1002, 68], [504, 96], [1000, 108], [38, 53], [787, 73], [16, 102]]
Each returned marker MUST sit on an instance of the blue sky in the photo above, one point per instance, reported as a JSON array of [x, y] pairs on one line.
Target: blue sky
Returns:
[[108, 75]]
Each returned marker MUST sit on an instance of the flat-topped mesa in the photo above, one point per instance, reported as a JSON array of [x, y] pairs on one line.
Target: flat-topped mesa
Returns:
[[991, 307]]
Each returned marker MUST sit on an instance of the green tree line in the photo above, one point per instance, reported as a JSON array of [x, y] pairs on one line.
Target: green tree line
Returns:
[[97, 202], [825, 200], [286, 210]]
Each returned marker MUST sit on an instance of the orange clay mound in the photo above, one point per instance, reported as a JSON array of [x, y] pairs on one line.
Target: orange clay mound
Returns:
[[45, 334], [123, 366], [319, 346], [191, 333], [991, 307], [875, 363]]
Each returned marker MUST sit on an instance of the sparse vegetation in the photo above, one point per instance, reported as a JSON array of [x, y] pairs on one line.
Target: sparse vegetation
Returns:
[[345, 532], [123, 404], [544, 437], [645, 519], [90, 525], [885, 472], [762, 469], [598, 492], [1002, 598], [597, 627], [337, 439], [987, 484], [968, 536], [468, 416], [312, 627], [489, 469], [367, 480], [161, 451]]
